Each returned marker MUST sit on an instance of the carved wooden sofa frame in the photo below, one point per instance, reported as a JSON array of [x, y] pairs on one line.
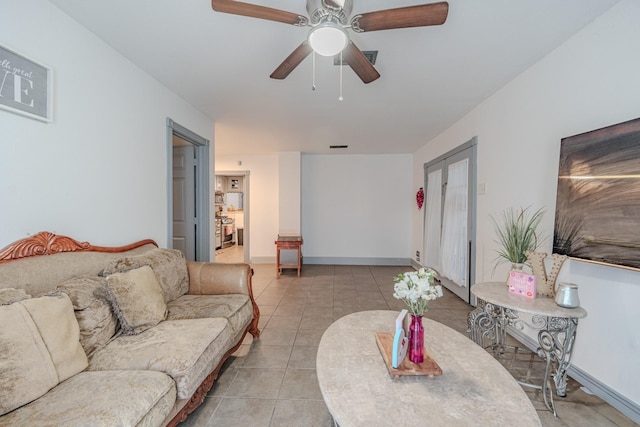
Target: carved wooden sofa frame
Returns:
[[46, 243]]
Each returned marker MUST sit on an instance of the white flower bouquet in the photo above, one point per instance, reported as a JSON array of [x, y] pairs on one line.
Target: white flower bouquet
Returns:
[[416, 289]]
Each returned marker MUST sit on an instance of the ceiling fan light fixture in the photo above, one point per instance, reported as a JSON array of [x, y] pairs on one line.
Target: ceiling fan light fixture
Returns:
[[328, 39]]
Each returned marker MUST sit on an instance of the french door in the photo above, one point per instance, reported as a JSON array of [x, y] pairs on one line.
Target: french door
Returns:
[[449, 224]]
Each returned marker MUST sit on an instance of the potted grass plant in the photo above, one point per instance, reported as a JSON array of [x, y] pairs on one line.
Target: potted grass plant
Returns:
[[516, 231]]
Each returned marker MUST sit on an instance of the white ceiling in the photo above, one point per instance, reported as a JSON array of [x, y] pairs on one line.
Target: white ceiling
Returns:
[[431, 76]]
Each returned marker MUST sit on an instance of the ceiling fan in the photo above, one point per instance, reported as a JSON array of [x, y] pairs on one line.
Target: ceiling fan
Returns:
[[329, 22]]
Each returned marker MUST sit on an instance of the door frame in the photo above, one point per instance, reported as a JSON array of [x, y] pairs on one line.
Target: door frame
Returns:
[[203, 247], [471, 207]]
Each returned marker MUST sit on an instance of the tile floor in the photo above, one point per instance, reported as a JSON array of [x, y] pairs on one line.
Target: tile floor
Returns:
[[272, 381], [233, 253]]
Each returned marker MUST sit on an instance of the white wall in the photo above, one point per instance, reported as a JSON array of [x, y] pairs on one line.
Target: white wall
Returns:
[[589, 82], [357, 208], [99, 171], [289, 193]]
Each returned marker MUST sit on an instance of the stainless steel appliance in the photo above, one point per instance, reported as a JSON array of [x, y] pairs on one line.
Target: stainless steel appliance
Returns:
[[219, 198], [227, 226], [218, 233]]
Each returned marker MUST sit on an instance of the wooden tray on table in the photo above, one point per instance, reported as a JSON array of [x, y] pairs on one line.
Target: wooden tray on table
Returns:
[[428, 367]]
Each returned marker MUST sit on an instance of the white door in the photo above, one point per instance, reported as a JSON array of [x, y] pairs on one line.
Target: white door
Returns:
[[184, 201]]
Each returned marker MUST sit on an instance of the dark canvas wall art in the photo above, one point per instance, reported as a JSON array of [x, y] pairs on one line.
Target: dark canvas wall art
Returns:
[[598, 200]]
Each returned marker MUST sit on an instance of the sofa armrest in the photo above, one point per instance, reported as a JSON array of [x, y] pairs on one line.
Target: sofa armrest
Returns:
[[210, 278]]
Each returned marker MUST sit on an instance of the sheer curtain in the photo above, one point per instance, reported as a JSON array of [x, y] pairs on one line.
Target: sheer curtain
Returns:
[[454, 227], [433, 212]]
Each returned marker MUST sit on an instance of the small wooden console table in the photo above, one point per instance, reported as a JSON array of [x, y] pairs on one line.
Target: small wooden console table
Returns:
[[556, 326], [288, 242]]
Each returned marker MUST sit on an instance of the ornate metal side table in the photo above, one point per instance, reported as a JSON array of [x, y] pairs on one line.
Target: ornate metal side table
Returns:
[[556, 326]]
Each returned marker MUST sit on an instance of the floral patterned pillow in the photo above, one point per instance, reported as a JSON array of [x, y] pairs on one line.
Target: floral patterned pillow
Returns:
[[137, 299], [169, 265]]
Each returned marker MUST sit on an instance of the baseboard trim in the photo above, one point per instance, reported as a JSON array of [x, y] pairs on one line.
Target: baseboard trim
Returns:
[[612, 397], [343, 261], [356, 261], [263, 260]]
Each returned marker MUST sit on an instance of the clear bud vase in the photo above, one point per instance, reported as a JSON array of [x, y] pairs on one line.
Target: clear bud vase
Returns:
[[416, 340]]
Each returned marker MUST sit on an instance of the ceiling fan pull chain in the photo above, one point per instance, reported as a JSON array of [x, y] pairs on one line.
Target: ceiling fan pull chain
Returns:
[[340, 98], [313, 71]]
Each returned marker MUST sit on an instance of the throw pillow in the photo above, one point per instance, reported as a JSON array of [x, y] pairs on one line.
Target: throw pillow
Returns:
[[169, 265], [39, 348], [53, 315], [137, 299], [11, 295], [92, 309]]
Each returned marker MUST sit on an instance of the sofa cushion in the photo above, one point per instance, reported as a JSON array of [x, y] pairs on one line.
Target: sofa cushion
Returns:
[[125, 398], [169, 265], [39, 347], [93, 311], [186, 350], [137, 299], [11, 295], [236, 308]]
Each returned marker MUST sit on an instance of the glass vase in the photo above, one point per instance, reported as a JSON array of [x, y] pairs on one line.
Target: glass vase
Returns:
[[416, 340]]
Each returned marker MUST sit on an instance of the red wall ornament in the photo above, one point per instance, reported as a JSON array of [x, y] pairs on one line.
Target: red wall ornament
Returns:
[[420, 198]]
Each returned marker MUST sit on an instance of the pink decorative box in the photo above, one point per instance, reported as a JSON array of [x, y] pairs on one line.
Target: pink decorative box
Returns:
[[522, 284]]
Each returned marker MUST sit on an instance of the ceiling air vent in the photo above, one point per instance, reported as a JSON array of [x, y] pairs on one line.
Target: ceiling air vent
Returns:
[[338, 146], [371, 55]]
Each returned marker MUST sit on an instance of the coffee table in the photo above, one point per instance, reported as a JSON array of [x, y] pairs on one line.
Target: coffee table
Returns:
[[474, 388]]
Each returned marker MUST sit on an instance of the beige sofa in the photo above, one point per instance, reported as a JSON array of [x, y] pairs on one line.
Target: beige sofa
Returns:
[[114, 336]]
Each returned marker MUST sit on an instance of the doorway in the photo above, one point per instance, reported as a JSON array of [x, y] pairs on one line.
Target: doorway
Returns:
[[233, 215], [188, 190], [450, 218]]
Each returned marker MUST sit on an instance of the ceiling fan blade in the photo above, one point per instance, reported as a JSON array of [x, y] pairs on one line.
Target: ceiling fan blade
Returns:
[[292, 61], [402, 17], [359, 63], [256, 11]]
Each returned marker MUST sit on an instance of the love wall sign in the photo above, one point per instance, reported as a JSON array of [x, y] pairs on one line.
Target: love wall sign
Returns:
[[25, 86]]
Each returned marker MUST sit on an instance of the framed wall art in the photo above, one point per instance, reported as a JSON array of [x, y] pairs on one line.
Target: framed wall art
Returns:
[[25, 86], [598, 199]]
